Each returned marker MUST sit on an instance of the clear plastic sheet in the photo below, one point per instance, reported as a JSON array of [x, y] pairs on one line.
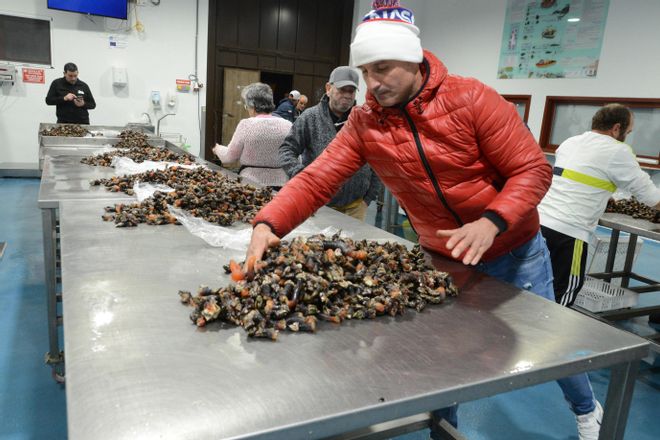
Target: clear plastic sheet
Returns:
[[237, 237], [144, 190], [124, 165], [234, 237], [107, 148]]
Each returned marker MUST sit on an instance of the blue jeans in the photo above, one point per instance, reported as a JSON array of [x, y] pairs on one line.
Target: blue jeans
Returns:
[[529, 267]]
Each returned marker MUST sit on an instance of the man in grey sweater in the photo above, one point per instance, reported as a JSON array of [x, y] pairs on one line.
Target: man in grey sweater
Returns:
[[313, 131]]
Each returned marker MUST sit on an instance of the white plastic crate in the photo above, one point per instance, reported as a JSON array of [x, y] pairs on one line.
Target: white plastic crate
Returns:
[[597, 257], [598, 296]]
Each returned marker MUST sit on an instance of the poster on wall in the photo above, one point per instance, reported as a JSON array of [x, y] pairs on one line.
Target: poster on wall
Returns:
[[552, 38]]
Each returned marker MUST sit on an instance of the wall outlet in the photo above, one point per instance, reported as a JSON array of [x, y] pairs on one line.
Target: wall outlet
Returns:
[[140, 2]]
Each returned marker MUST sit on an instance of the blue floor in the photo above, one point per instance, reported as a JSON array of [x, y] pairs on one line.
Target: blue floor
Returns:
[[33, 406]]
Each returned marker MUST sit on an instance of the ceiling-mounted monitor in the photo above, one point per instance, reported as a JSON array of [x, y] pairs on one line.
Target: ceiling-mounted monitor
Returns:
[[104, 8]]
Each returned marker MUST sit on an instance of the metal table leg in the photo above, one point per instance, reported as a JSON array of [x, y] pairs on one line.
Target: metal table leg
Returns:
[[630, 256], [391, 212], [406, 425], [611, 253], [53, 356], [619, 396], [388, 210]]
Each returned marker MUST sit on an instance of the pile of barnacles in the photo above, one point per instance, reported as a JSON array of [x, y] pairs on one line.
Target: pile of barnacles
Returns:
[[152, 211], [132, 138], [138, 154], [633, 208], [312, 279], [134, 145], [68, 130], [204, 193]]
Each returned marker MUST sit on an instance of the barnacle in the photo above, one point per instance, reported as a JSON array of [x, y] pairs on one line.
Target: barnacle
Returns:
[[312, 279], [68, 130], [204, 193]]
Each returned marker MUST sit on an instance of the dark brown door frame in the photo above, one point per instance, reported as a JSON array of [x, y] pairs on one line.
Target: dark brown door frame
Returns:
[[215, 71], [211, 82]]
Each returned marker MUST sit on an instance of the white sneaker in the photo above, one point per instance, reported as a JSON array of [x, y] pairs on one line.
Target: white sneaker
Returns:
[[589, 424]]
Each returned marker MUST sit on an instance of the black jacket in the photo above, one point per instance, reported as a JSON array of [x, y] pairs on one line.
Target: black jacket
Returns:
[[286, 109], [67, 112]]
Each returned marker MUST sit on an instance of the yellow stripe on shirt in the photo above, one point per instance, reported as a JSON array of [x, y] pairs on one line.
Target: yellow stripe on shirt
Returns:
[[585, 179]]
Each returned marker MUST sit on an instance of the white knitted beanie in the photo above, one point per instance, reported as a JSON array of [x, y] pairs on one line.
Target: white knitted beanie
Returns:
[[388, 32]]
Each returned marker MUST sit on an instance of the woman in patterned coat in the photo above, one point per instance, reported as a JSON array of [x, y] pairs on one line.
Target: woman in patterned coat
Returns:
[[257, 139]]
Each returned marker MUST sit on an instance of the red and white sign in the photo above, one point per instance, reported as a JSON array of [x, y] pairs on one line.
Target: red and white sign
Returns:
[[36, 76], [183, 85]]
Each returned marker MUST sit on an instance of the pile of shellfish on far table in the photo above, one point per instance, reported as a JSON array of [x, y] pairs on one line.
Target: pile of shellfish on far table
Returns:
[[633, 208], [317, 278], [67, 130], [203, 193], [135, 146]]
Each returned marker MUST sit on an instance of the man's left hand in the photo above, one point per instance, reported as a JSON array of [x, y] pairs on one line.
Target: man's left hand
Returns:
[[79, 102], [473, 239]]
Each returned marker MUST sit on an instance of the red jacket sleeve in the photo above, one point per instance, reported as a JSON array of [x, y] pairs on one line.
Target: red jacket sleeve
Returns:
[[314, 186], [510, 147]]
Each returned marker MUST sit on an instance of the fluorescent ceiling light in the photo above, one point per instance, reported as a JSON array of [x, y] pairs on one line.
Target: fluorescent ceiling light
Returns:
[[573, 20]]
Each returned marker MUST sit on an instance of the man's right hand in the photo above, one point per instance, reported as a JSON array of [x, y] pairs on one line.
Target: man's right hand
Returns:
[[69, 97], [262, 239]]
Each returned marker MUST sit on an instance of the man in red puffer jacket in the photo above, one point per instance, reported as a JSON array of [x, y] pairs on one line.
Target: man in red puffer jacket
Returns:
[[456, 156]]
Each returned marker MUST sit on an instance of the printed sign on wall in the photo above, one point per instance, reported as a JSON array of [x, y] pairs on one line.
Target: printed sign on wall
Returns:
[[36, 76], [552, 38], [183, 85]]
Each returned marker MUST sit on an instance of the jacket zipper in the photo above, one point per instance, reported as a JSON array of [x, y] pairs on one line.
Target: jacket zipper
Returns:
[[427, 167]]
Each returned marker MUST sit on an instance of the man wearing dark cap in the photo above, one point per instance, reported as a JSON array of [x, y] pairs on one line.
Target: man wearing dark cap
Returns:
[[286, 108], [458, 159], [316, 128], [71, 96]]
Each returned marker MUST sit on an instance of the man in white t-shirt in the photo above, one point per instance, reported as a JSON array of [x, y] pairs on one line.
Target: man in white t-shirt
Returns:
[[588, 169]]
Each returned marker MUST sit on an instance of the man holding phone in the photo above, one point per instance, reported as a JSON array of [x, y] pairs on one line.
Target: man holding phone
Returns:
[[71, 96]]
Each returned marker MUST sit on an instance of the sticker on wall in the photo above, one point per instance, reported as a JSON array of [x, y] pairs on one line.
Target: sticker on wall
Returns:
[[118, 41], [552, 38], [183, 85], [35, 76]]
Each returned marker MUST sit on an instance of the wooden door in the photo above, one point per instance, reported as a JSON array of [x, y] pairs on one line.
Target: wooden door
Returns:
[[232, 104]]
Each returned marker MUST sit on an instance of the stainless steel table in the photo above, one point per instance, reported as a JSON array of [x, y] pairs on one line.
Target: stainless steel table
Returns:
[[96, 131], [64, 178], [138, 368], [636, 228], [103, 135], [57, 145]]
